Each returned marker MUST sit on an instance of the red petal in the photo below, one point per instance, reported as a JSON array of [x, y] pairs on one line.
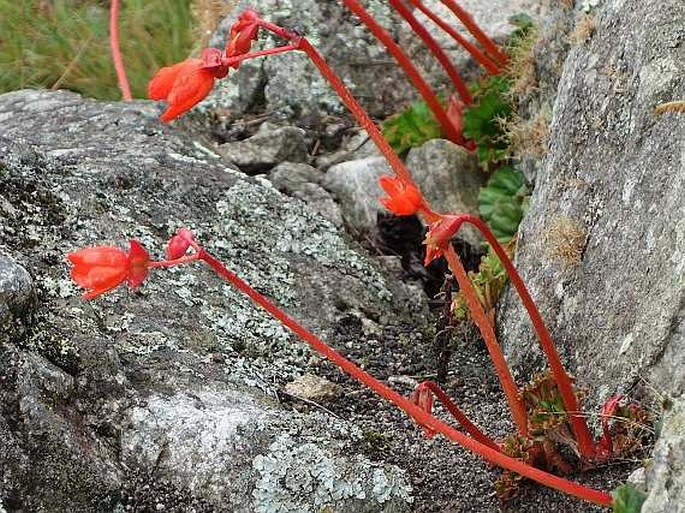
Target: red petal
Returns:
[[190, 88], [138, 264], [99, 255], [97, 277], [161, 84]]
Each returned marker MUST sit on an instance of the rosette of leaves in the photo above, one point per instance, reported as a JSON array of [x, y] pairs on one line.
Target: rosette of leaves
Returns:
[[504, 201]]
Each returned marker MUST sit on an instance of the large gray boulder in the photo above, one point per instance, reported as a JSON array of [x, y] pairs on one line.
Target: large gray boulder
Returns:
[[165, 399], [602, 246]]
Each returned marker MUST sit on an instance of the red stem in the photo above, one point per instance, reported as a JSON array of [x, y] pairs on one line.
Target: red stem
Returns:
[[488, 44], [414, 411], [485, 61], [412, 72], [357, 111], [116, 53], [586, 445], [460, 416], [511, 391], [435, 49], [508, 385], [230, 61]]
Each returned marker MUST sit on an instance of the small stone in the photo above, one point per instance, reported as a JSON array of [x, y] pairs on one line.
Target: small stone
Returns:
[[266, 149], [355, 186], [312, 388], [302, 181]]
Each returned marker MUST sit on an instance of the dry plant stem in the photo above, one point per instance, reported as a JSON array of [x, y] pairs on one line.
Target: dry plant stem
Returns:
[[415, 412], [488, 44], [485, 61], [412, 72], [435, 49], [586, 445], [460, 416], [116, 52], [511, 391]]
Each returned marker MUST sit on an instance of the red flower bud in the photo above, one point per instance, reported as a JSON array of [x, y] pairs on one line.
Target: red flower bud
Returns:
[[179, 244], [242, 33], [439, 235]]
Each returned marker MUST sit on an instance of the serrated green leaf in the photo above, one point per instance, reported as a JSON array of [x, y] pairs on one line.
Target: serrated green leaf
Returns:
[[411, 128], [628, 499], [503, 201]]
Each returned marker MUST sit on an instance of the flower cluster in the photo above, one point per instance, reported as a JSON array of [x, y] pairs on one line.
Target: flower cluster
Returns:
[[187, 83]]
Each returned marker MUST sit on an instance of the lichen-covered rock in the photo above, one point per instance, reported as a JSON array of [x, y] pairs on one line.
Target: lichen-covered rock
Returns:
[[163, 399], [602, 246], [666, 470], [16, 299]]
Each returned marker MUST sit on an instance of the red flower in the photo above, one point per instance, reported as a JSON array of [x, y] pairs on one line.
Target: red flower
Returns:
[[439, 235], [404, 199], [183, 85], [103, 268], [242, 33]]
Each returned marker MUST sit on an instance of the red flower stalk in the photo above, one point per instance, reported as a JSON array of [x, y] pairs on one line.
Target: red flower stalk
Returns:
[[490, 47], [485, 61], [422, 396], [436, 50], [412, 72], [417, 413], [404, 199], [116, 52], [586, 445], [605, 446], [103, 268]]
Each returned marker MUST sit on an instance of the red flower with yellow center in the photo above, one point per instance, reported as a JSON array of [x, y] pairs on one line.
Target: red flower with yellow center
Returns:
[[103, 268]]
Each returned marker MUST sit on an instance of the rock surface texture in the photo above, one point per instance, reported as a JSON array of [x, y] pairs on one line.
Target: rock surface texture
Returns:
[[290, 86], [666, 471], [602, 246], [165, 399]]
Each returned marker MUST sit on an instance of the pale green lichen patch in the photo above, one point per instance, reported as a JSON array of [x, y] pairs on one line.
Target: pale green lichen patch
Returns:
[[294, 478]]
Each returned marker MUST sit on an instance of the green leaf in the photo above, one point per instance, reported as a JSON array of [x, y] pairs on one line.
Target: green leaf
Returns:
[[412, 127], [628, 499], [482, 121], [503, 202]]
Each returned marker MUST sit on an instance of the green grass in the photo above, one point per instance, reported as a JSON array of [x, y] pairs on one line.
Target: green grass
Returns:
[[65, 43]]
